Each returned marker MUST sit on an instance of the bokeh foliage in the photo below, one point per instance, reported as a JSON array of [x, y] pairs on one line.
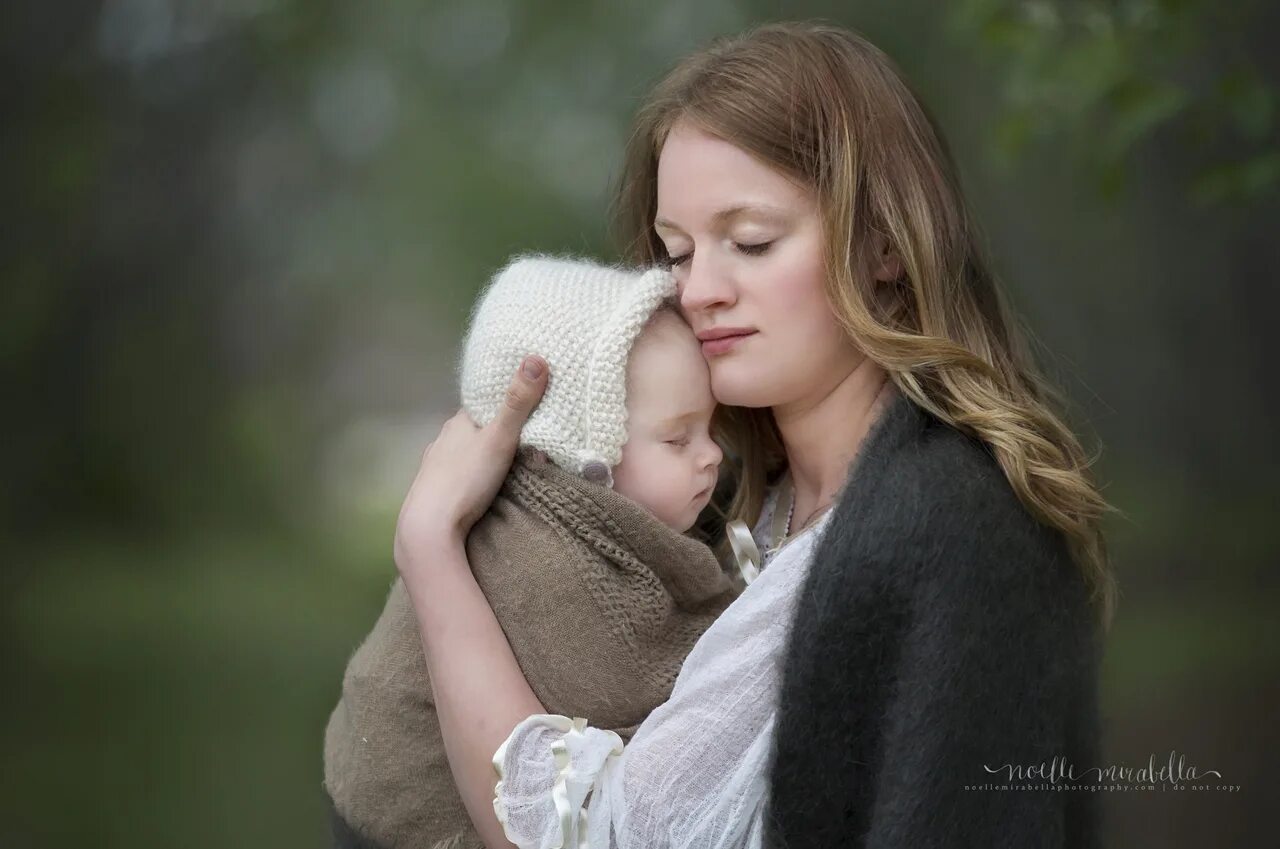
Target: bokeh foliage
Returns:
[[1104, 77], [241, 240]]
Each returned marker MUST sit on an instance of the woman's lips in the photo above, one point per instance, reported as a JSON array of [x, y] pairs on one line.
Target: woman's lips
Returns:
[[712, 347]]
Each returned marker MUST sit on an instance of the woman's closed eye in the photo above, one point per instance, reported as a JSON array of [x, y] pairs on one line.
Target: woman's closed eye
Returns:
[[753, 250], [677, 261], [756, 249]]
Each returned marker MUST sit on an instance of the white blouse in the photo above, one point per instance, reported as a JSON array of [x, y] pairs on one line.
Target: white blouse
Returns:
[[695, 772]]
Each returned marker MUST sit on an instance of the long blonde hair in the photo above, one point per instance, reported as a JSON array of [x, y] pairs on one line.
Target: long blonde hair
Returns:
[[821, 104]]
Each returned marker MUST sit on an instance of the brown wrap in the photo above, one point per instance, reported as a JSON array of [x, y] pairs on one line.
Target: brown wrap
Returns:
[[600, 603]]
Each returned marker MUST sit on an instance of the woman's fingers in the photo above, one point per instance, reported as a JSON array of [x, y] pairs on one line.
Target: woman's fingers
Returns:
[[462, 470], [524, 393]]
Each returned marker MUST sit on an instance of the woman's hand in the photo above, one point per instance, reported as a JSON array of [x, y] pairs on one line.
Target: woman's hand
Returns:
[[462, 471]]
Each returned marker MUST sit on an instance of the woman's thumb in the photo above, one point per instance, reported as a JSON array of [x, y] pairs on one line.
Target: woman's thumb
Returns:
[[523, 395]]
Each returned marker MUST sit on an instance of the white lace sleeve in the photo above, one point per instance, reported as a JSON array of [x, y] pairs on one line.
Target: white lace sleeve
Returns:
[[546, 768], [695, 774]]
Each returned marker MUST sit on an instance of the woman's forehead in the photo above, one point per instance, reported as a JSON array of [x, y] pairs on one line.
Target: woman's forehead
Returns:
[[692, 156], [703, 179]]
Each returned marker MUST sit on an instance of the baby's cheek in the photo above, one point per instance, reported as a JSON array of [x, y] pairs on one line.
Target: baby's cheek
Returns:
[[632, 476], [653, 481]]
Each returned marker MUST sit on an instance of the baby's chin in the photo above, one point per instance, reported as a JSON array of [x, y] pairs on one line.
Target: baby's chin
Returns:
[[687, 519], [680, 523], [683, 527]]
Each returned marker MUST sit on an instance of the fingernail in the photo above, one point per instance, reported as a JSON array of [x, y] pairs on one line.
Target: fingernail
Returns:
[[532, 368]]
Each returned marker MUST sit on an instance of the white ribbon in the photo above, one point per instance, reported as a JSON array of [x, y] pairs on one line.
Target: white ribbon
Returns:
[[745, 551]]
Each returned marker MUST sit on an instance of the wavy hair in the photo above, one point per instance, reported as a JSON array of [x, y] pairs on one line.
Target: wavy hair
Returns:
[[821, 104]]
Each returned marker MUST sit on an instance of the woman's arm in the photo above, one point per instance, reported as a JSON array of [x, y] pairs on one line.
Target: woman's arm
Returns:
[[480, 693]]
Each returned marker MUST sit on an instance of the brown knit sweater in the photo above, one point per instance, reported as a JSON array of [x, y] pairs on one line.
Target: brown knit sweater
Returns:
[[600, 603]]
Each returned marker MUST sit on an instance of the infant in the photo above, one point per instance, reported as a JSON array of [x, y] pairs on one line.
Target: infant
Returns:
[[582, 555], [669, 462], [629, 402]]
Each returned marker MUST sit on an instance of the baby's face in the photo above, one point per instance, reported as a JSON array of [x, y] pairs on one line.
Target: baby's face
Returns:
[[669, 462]]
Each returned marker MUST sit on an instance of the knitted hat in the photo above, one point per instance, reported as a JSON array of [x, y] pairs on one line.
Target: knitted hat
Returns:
[[582, 318]]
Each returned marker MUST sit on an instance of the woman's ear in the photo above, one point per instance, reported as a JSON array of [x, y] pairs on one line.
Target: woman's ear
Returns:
[[888, 266], [889, 274]]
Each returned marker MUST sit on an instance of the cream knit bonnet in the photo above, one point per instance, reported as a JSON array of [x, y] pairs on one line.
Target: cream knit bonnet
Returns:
[[582, 318]]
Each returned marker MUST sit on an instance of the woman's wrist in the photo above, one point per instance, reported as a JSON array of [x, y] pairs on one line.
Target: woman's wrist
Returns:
[[431, 549]]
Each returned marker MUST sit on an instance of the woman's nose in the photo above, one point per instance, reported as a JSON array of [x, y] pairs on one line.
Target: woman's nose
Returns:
[[704, 286]]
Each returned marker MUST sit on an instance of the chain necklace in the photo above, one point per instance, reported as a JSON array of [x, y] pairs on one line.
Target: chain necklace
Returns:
[[781, 533], [745, 551]]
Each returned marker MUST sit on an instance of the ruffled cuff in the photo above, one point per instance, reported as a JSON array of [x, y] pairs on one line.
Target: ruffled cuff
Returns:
[[547, 795]]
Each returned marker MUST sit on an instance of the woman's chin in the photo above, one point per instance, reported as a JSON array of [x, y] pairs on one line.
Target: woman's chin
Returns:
[[738, 387]]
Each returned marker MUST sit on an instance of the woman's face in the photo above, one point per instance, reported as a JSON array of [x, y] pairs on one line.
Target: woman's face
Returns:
[[746, 247]]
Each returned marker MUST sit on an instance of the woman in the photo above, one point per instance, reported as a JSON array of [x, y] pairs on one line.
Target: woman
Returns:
[[927, 617]]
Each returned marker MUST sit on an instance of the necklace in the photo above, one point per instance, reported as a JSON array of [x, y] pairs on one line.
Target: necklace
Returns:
[[780, 527], [745, 552], [781, 532]]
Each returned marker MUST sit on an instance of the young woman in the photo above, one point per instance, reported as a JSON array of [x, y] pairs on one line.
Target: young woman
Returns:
[[927, 620]]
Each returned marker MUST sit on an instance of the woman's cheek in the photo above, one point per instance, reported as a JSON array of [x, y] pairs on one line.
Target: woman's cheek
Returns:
[[790, 285]]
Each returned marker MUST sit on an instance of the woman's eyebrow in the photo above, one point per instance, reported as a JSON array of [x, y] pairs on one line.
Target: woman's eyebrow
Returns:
[[729, 213]]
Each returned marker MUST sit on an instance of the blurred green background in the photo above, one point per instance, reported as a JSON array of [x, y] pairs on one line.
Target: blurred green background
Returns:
[[239, 242]]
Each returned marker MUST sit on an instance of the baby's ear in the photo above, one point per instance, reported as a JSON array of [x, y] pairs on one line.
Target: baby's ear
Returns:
[[540, 455]]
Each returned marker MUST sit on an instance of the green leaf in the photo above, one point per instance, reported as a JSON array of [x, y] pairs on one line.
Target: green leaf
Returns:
[[1140, 107], [1238, 181], [1250, 102], [1112, 180], [1013, 133], [1260, 173]]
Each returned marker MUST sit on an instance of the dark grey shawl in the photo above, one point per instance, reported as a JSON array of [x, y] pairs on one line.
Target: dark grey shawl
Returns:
[[941, 631]]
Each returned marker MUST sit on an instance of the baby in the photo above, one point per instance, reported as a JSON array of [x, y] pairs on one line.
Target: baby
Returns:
[[629, 404], [583, 554]]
